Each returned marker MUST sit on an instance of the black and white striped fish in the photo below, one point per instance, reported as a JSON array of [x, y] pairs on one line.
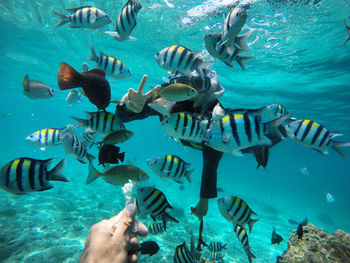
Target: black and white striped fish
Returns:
[[89, 137], [111, 65], [45, 138], [216, 246], [183, 254], [126, 21], [74, 97], [233, 24], [243, 238], [156, 228], [184, 125], [235, 131], [74, 147], [24, 175], [172, 167], [236, 210], [102, 122], [181, 59], [83, 16], [215, 256], [228, 54], [153, 202], [315, 136]]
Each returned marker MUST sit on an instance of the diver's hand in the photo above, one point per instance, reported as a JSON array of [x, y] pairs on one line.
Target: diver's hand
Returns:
[[135, 100], [111, 243], [201, 208]]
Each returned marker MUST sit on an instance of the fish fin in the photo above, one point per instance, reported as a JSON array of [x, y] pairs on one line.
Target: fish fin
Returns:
[[237, 153], [229, 64], [336, 147], [250, 255], [325, 152], [93, 174], [348, 34], [26, 83], [130, 38], [113, 34], [241, 41], [335, 134], [251, 223], [64, 19], [74, 26], [72, 10], [48, 186], [187, 175], [93, 56], [42, 148], [82, 122], [121, 157], [55, 174], [178, 181], [271, 126], [240, 60], [68, 77], [166, 217], [96, 71]]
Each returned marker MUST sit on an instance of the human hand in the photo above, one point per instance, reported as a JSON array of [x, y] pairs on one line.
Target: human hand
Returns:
[[201, 208], [111, 243], [135, 100]]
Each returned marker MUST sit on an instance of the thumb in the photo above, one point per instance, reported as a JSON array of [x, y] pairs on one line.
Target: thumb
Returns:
[[125, 222]]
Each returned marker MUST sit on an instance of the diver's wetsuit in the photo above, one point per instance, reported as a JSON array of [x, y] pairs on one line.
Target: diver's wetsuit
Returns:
[[211, 157]]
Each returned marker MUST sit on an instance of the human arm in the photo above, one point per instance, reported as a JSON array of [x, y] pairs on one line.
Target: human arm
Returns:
[[108, 243]]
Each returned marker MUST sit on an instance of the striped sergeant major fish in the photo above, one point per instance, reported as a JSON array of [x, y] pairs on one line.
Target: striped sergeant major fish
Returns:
[[153, 202], [228, 54], [89, 137], [185, 125], [74, 97], [233, 24], [236, 131], [112, 66], [172, 167], [24, 175], [216, 246], [156, 228], [236, 210], [45, 138], [315, 136], [102, 122], [74, 147], [243, 238], [181, 59], [215, 256], [126, 21], [83, 16], [183, 254]]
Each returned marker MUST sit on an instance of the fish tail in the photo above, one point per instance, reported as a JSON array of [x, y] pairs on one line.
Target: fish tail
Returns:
[[271, 127], [121, 157], [240, 60], [55, 174], [82, 122], [68, 77], [336, 147], [348, 34], [113, 34], [251, 223], [93, 174], [187, 175], [93, 56], [166, 217], [250, 255], [26, 83], [242, 41], [64, 19]]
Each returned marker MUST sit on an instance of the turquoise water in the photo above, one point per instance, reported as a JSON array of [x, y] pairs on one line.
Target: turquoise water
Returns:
[[300, 62]]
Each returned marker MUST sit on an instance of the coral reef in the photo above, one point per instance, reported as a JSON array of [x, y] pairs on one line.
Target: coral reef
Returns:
[[317, 246]]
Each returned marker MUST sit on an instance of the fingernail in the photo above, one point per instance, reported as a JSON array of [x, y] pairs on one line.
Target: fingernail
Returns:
[[131, 210]]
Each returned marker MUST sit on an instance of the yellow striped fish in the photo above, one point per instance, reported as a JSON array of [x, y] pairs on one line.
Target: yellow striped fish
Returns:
[[45, 138], [243, 238], [74, 147], [315, 136], [24, 175], [112, 66]]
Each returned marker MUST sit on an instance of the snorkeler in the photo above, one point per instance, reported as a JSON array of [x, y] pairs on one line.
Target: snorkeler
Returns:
[[135, 106]]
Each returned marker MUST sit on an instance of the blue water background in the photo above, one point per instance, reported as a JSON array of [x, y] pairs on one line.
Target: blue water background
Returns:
[[300, 62]]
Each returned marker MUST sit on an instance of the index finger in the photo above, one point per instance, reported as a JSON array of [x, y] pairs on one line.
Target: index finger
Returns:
[[142, 84]]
